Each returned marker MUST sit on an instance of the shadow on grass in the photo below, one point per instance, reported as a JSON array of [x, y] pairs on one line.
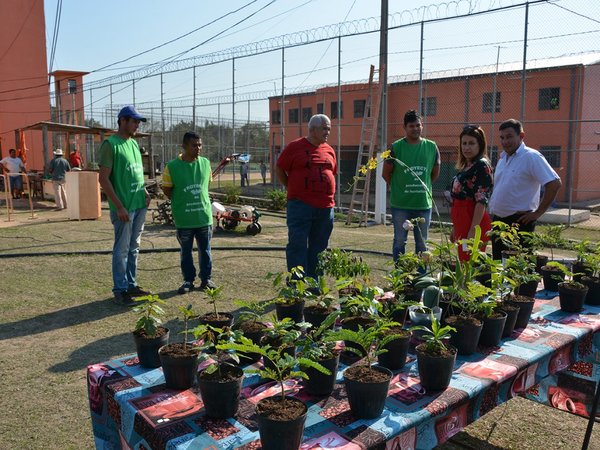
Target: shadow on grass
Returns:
[[464, 440], [88, 312]]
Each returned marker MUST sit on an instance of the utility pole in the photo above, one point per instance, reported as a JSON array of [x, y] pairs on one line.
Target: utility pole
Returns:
[[524, 73]]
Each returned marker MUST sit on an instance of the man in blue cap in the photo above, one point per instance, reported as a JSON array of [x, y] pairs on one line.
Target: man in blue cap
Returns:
[[122, 179]]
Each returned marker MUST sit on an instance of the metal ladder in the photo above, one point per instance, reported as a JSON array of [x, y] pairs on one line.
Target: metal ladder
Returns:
[[368, 138]]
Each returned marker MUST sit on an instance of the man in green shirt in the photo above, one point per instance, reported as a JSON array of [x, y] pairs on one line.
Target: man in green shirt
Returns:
[[185, 182], [415, 165], [122, 179]]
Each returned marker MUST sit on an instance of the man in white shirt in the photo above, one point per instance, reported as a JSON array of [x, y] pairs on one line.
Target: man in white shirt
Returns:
[[12, 164], [520, 173]]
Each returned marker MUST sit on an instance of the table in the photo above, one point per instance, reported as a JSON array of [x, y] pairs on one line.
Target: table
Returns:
[[554, 360]]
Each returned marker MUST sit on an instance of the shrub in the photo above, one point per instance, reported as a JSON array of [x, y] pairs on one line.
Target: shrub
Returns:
[[278, 198], [232, 194]]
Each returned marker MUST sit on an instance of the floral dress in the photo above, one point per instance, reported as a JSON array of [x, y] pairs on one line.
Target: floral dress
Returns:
[[471, 186]]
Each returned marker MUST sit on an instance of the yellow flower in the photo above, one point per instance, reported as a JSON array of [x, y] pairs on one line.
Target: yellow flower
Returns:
[[386, 154], [372, 164], [363, 170]]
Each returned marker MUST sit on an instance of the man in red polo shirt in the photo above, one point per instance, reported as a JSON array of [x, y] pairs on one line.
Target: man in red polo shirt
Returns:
[[307, 167]]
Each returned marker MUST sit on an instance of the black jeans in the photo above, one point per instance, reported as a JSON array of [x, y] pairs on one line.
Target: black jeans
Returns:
[[497, 245]]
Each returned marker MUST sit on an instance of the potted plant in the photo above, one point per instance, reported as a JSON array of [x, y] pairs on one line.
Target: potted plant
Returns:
[[149, 335], [313, 347], [292, 293], [553, 273], [521, 269], [180, 360], [321, 305], [468, 325], [504, 286], [533, 244], [571, 294], [593, 281], [215, 318], [250, 324], [494, 320], [220, 382], [582, 265], [405, 274], [280, 418], [343, 265], [394, 356], [357, 311], [366, 385], [435, 359], [283, 334]]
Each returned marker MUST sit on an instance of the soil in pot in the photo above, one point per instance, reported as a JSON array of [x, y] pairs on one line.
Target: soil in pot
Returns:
[[512, 312], [493, 326], [221, 392], [395, 357], [147, 347], [466, 337], [319, 383], [581, 269], [435, 370], [412, 294], [367, 388], [552, 276], [294, 311], [219, 320], [571, 296], [281, 422], [525, 305], [528, 289], [179, 364], [315, 315], [593, 295], [254, 331]]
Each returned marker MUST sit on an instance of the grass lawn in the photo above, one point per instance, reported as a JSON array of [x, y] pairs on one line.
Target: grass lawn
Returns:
[[58, 315]]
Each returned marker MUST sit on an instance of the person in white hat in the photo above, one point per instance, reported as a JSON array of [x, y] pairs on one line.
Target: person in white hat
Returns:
[[57, 169]]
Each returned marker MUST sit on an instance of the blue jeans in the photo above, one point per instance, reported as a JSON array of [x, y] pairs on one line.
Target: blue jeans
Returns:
[[399, 216], [126, 248], [16, 182], [186, 237], [309, 229]]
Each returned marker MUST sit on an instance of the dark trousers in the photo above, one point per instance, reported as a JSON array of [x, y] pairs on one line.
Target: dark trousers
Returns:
[[497, 246]]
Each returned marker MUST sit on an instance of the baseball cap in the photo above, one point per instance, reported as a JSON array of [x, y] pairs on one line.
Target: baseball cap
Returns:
[[129, 111]]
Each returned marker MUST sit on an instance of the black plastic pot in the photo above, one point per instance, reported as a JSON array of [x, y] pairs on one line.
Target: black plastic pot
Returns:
[[352, 323], [399, 315], [147, 349], [435, 372], [528, 289], [319, 383], [279, 434], [593, 295], [511, 319], [571, 298], [467, 335], [525, 309], [315, 316], [254, 336], [224, 320], [221, 398], [179, 371], [395, 357], [540, 261], [580, 270], [294, 311], [367, 400], [491, 333], [552, 278]]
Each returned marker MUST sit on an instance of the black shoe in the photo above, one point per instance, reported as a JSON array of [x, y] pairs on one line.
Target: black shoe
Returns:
[[125, 299], [187, 286], [208, 284], [137, 291]]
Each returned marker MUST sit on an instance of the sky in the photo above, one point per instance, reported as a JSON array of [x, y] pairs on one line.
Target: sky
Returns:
[[91, 37]]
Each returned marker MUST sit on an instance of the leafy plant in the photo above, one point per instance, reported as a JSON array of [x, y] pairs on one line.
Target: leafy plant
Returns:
[[187, 314], [584, 251], [292, 287], [278, 198], [211, 338], [150, 312], [507, 234], [214, 294], [232, 194], [285, 332], [312, 346], [434, 337], [552, 238], [251, 310], [340, 264], [364, 304], [521, 269], [323, 298]]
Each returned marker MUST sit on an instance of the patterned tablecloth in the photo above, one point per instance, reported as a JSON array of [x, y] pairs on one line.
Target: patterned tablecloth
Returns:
[[554, 361]]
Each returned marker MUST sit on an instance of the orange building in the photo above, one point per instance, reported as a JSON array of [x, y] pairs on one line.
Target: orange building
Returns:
[[561, 115]]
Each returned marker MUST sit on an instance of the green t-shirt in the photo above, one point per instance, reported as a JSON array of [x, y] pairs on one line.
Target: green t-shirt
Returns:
[[127, 175], [190, 203], [407, 191]]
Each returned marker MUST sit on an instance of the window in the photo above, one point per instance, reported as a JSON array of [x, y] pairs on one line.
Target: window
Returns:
[[552, 154], [334, 110], [359, 108], [293, 115], [306, 114], [429, 106], [72, 86], [549, 98], [320, 108], [488, 101], [276, 116]]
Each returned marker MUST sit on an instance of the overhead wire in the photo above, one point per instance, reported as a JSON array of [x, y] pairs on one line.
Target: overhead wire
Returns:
[[55, 36]]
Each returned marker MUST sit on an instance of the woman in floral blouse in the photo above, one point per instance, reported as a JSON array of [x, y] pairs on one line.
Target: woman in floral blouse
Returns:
[[471, 189]]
